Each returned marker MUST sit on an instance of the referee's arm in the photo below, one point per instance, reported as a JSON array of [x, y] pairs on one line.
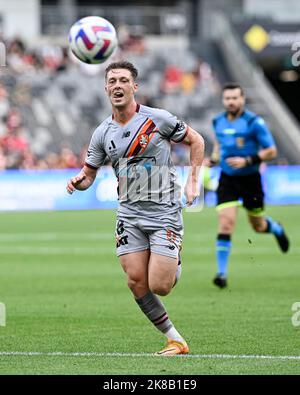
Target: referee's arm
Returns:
[[267, 154], [264, 155]]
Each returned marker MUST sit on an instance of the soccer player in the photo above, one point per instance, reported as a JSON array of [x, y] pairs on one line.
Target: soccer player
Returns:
[[149, 228], [243, 141]]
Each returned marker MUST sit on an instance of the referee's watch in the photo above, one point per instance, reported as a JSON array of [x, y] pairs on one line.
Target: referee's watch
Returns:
[[253, 160]]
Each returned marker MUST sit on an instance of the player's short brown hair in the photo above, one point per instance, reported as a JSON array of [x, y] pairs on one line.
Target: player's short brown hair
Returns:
[[123, 64]]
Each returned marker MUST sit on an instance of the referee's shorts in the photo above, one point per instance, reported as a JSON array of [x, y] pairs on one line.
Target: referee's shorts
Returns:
[[233, 189]]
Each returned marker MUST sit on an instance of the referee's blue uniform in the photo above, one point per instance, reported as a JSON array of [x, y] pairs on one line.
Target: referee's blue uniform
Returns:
[[244, 137]]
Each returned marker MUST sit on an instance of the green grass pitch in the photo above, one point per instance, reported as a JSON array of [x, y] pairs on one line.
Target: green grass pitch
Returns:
[[65, 292]]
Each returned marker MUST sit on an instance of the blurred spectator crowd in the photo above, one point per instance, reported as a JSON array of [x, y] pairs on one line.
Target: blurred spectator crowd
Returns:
[[50, 103]]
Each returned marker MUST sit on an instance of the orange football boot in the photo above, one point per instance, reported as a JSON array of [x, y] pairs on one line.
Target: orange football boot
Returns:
[[174, 347]]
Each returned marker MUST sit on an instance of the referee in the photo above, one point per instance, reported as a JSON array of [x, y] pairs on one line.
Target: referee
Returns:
[[242, 142]]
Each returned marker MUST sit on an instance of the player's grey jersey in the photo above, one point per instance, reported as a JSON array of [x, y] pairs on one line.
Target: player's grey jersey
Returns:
[[140, 153]]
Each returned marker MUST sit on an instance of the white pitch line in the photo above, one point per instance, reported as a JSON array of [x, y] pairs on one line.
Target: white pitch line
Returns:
[[116, 354]]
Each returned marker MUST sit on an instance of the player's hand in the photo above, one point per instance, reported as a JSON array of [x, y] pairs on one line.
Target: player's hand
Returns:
[[191, 192], [237, 162], [74, 182]]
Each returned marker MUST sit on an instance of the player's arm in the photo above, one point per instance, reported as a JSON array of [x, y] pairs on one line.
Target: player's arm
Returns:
[[83, 180], [196, 143]]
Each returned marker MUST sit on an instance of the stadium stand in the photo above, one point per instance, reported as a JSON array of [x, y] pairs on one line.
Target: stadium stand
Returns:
[[262, 97], [59, 101]]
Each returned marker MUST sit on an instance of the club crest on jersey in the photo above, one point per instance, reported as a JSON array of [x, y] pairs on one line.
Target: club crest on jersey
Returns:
[[171, 236], [143, 141], [240, 142]]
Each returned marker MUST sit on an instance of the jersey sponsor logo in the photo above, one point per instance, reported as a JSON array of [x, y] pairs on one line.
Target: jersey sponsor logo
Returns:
[[148, 161], [140, 179], [121, 239], [229, 131]]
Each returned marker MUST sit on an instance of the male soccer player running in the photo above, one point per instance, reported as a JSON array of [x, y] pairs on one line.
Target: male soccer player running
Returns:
[[243, 141], [149, 226]]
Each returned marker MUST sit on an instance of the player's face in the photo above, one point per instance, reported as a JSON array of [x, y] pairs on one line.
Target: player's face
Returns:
[[233, 100], [120, 87]]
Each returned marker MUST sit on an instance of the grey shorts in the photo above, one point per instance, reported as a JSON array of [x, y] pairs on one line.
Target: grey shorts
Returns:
[[162, 236]]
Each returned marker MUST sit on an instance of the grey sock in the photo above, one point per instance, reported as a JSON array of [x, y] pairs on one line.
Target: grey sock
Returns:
[[153, 308]]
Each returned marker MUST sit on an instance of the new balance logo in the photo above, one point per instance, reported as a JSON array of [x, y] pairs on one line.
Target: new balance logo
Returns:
[[171, 247], [126, 134]]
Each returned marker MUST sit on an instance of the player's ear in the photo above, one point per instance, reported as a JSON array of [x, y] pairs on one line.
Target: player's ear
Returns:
[[135, 87]]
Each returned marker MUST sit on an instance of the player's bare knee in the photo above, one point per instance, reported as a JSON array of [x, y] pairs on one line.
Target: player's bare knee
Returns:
[[226, 224], [131, 283], [135, 285], [161, 289]]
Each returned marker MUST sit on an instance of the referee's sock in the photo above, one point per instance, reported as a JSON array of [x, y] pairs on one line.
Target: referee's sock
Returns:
[[273, 227], [223, 246], [153, 308], [279, 233]]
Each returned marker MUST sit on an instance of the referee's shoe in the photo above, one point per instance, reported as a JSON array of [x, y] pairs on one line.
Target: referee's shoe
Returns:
[[282, 240], [220, 281]]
